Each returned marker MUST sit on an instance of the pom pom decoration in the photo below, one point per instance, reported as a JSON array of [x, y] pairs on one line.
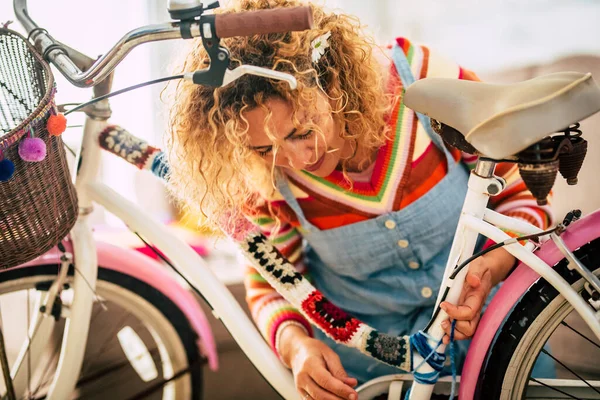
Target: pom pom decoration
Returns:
[[56, 124], [7, 169], [32, 149]]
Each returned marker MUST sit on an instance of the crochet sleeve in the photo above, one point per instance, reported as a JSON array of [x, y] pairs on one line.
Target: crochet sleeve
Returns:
[[270, 311], [280, 294]]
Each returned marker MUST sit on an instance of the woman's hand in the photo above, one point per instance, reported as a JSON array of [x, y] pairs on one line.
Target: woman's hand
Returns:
[[484, 273], [318, 372]]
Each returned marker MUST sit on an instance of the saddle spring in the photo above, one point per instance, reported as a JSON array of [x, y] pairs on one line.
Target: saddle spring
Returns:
[[539, 163]]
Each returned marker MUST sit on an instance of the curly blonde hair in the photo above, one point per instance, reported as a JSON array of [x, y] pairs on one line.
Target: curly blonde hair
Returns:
[[212, 168]]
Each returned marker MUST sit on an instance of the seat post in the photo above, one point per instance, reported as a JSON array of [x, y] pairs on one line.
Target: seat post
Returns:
[[484, 167]]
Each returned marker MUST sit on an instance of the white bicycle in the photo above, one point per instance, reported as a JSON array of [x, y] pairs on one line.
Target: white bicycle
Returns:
[[556, 276]]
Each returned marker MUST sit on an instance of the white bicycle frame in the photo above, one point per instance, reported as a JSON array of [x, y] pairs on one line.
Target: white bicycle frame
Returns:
[[475, 219]]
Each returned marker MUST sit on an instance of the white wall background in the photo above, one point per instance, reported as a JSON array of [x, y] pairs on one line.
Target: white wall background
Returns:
[[486, 35]]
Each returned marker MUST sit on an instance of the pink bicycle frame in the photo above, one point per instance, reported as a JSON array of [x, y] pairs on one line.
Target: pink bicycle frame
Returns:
[[143, 268]]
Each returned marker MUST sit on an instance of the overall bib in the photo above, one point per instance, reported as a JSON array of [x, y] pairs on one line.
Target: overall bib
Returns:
[[386, 271]]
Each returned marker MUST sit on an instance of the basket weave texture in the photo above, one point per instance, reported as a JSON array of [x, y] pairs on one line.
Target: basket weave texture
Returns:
[[38, 205]]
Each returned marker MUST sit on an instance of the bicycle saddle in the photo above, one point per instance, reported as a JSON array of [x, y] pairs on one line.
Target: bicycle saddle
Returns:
[[500, 120]]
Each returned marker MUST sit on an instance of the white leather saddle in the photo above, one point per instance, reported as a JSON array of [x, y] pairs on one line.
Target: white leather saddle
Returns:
[[500, 120]]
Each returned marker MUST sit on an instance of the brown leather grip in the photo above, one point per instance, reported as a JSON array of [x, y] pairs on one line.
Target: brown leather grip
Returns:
[[276, 20]]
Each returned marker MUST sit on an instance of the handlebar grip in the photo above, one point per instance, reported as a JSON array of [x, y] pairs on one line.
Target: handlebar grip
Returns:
[[258, 22]]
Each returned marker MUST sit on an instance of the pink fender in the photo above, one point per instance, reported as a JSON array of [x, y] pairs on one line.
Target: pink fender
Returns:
[[578, 234], [145, 269]]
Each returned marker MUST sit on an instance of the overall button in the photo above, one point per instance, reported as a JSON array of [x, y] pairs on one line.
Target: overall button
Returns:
[[426, 292], [413, 265], [404, 244], [390, 224]]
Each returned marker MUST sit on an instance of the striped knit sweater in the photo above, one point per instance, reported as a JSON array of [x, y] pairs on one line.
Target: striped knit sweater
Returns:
[[406, 167]]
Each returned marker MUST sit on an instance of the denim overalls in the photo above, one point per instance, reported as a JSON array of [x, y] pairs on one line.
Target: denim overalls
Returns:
[[386, 270]]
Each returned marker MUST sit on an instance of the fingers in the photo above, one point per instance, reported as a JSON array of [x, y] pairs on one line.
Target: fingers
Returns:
[[352, 382], [469, 309], [320, 387], [477, 270], [314, 391], [333, 385], [334, 365], [466, 315], [319, 383], [478, 284], [462, 330], [473, 278], [471, 303], [319, 374]]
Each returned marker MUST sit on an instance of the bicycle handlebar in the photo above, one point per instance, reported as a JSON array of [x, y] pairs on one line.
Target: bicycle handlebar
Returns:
[[226, 25]]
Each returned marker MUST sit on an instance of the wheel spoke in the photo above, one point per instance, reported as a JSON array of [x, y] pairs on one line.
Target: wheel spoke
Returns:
[[47, 377], [28, 352], [10, 390], [133, 305], [513, 369], [114, 329], [157, 386], [570, 370], [105, 371], [553, 388], [580, 334]]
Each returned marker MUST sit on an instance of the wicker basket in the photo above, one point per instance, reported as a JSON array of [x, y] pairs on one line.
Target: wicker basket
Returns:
[[38, 204]]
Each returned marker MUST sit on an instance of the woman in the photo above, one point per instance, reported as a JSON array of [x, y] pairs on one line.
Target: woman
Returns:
[[346, 182]]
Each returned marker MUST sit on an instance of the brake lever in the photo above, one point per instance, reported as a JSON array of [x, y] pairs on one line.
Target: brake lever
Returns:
[[232, 75], [218, 73], [207, 77]]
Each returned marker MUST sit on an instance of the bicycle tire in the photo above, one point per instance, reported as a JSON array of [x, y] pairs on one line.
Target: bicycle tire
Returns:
[[524, 332], [149, 301]]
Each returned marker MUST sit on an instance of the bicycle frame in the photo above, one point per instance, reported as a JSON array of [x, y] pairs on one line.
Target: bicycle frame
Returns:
[[475, 219]]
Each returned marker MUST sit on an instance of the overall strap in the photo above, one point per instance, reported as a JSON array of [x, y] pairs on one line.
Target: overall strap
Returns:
[[284, 189], [407, 78]]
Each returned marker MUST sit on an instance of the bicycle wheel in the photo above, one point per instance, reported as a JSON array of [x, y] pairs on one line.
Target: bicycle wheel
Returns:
[[139, 344], [543, 319]]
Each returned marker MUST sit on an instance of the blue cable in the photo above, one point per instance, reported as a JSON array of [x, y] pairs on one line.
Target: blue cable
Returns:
[[453, 360]]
